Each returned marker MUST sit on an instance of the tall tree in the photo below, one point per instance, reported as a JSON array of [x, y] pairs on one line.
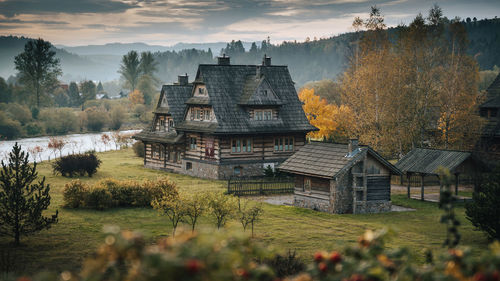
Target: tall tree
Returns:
[[130, 70], [38, 67], [22, 201], [99, 87], [89, 91], [148, 81]]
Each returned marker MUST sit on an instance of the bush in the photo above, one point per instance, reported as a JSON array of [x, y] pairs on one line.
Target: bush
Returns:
[[77, 164], [99, 198], [484, 210], [9, 128], [96, 119], [59, 121], [287, 265], [117, 116], [75, 194], [138, 148], [33, 129], [19, 113], [110, 192]]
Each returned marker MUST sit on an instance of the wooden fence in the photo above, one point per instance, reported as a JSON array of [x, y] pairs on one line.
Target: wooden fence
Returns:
[[259, 185]]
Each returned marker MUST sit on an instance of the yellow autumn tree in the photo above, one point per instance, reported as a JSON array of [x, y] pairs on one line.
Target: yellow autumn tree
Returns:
[[136, 97], [331, 120]]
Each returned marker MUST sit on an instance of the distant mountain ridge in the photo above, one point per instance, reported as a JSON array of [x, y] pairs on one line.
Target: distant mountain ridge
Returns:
[[307, 61], [123, 48]]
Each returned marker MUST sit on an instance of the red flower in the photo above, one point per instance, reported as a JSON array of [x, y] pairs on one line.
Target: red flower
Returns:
[[318, 257], [335, 257], [193, 265], [243, 273], [322, 267], [479, 277]]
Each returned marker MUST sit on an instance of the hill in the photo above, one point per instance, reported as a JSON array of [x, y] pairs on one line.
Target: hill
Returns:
[[308, 61]]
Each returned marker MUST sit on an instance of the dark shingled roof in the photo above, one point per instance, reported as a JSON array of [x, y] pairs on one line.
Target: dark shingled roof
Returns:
[[161, 137], [492, 126], [328, 160], [225, 86], [250, 95], [198, 100], [426, 161]]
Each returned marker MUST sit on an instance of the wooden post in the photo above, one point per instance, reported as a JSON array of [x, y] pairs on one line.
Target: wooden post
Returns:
[[408, 175], [456, 184], [422, 190]]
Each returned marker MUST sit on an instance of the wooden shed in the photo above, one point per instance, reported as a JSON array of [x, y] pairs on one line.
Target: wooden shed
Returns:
[[426, 161], [341, 178]]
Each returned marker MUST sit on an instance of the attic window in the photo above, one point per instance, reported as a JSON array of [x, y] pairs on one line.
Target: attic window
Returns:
[[200, 91], [263, 115], [264, 92]]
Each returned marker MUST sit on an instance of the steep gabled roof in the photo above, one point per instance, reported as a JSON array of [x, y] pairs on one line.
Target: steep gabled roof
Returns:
[[226, 85], [176, 97], [427, 161], [328, 160], [493, 94], [252, 95]]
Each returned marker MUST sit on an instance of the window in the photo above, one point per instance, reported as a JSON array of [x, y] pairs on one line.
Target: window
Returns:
[[237, 171], [207, 114], [179, 154], [170, 124], [307, 184], [260, 115], [192, 143], [162, 151], [162, 124], [198, 114], [156, 151], [189, 165], [200, 91], [241, 146], [283, 144]]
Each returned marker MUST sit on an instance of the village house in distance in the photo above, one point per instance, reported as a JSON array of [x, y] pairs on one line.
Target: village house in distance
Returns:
[[341, 178], [232, 120]]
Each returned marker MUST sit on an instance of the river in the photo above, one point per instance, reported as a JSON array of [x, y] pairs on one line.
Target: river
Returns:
[[76, 143]]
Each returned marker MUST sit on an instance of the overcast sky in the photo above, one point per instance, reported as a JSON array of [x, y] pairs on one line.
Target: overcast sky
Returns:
[[166, 22]]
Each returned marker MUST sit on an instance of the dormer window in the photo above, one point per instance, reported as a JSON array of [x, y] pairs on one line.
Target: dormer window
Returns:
[[200, 91], [263, 115], [207, 114]]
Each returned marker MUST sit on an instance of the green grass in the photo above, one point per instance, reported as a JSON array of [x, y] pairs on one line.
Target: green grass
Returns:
[[79, 232]]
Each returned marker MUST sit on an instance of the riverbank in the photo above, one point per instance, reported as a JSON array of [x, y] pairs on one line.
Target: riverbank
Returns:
[[74, 143]]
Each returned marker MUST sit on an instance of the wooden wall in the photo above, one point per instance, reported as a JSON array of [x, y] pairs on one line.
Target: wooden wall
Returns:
[[201, 143], [263, 147]]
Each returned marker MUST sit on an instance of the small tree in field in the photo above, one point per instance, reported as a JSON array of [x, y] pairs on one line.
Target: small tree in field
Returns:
[[57, 144], [22, 201], [195, 205], [222, 207], [248, 215], [169, 202]]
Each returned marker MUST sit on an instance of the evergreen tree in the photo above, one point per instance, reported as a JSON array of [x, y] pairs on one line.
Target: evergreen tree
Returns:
[[74, 94], [100, 89], [22, 201], [89, 91]]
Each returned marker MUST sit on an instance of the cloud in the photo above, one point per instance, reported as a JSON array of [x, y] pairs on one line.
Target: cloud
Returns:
[[12, 8]]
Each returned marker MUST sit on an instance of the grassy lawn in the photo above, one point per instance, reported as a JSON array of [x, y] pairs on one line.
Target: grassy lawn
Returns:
[[79, 232]]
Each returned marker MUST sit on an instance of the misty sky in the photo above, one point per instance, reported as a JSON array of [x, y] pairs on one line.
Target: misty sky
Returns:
[[166, 22]]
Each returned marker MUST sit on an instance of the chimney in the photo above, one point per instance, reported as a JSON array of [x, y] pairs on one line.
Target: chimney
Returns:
[[183, 79], [352, 147], [266, 61], [224, 60]]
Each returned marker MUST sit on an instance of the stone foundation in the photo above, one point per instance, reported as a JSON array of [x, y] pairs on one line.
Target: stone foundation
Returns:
[[318, 203], [200, 169], [373, 207], [247, 170]]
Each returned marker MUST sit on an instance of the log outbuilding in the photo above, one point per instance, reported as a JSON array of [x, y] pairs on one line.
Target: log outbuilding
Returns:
[[341, 178]]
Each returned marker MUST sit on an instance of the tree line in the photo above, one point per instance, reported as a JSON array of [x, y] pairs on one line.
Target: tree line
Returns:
[[418, 88]]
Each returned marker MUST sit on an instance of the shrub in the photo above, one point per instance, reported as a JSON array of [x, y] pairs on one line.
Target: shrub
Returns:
[[484, 210], [77, 164], [59, 121], [19, 113], [9, 128], [33, 129], [117, 116], [96, 119], [75, 194], [138, 148], [99, 198], [286, 265]]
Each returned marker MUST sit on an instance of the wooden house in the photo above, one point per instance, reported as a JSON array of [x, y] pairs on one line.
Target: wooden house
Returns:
[[489, 142], [232, 120], [340, 178]]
